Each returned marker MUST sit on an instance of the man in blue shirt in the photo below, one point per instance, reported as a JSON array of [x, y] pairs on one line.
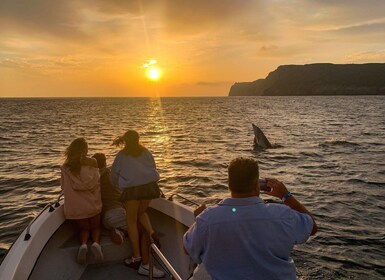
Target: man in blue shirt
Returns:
[[245, 238]]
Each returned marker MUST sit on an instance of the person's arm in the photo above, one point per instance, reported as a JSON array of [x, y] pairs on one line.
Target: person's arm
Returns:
[[199, 209], [115, 170], [151, 157], [196, 212], [89, 162], [278, 189]]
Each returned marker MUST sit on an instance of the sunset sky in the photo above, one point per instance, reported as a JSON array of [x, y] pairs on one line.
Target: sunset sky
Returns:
[[52, 48]]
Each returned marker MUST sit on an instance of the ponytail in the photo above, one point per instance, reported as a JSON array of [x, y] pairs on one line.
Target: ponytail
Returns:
[[118, 141], [130, 139]]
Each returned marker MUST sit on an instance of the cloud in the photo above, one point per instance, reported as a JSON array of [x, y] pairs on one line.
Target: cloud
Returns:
[[76, 19], [268, 48], [202, 16], [50, 65], [196, 42], [149, 63], [363, 33], [15, 64], [89, 20], [377, 26], [325, 20], [211, 84], [329, 13], [180, 14], [55, 18], [364, 57]]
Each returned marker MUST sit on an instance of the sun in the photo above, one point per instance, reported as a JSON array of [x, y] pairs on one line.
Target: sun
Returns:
[[154, 73]]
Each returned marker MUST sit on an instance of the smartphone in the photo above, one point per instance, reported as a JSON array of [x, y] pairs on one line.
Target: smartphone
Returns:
[[263, 185]]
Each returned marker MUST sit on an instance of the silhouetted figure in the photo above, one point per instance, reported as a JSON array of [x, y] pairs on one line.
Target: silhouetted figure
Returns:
[[82, 200], [114, 216], [245, 238], [134, 172]]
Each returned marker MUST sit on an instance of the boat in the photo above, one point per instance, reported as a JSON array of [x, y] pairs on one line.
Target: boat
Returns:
[[48, 247]]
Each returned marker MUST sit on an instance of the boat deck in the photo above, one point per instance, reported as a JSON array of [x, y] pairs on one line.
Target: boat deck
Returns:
[[116, 270], [58, 258]]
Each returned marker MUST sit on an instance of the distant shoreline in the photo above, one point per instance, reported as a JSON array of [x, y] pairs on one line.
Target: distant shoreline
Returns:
[[182, 97], [320, 79]]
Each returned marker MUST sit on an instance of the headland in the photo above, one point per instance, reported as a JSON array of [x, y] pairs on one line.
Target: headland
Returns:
[[317, 79]]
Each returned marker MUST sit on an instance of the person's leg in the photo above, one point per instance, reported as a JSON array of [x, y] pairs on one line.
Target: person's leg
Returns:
[[143, 217], [115, 218], [95, 228], [84, 227], [144, 268], [95, 234], [144, 244], [145, 221], [132, 207], [145, 232], [116, 222]]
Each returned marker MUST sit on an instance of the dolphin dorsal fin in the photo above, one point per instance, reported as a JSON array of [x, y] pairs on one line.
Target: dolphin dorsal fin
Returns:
[[260, 140]]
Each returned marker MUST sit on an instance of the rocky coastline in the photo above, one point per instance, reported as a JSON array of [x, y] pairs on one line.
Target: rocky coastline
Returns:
[[317, 79]]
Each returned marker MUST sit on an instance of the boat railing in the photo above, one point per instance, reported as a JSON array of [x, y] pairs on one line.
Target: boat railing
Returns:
[[182, 197], [57, 204], [154, 251], [27, 235]]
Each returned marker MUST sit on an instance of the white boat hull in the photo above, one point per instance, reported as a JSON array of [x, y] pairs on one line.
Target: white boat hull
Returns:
[[51, 250]]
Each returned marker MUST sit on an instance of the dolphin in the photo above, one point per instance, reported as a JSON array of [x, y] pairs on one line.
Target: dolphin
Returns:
[[260, 140]]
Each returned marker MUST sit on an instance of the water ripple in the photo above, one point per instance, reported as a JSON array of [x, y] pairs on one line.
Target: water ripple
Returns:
[[330, 156]]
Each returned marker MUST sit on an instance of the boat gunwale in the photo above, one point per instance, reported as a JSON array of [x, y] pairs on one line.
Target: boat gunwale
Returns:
[[16, 256], [18, 264]]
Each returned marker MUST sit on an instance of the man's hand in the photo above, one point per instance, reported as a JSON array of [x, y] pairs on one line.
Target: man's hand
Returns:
[[277, 188], [199, 210]]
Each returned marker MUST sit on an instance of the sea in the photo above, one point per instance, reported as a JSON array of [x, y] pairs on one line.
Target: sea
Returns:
[[328, 150]]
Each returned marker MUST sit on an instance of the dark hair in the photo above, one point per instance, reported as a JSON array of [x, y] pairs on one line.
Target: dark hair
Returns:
[[101, 159], [243, 175], [130, 139], [74, 153]]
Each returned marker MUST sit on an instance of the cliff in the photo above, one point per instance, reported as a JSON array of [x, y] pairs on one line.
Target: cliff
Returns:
[[318, 79]]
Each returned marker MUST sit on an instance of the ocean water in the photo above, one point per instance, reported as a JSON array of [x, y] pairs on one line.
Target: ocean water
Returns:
[[329, 151]]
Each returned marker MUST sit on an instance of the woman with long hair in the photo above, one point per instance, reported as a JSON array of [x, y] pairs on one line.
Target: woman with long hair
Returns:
[[82, 198], [134, 171]]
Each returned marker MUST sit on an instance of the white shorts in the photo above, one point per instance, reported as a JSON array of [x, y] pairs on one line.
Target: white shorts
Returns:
[[115, 218]]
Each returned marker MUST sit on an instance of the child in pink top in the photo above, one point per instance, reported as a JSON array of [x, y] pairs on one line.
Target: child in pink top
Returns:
[[82, 198]]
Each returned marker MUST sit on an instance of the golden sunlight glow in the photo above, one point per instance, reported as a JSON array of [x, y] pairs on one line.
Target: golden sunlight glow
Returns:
[[152, 53], [154, 73]]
